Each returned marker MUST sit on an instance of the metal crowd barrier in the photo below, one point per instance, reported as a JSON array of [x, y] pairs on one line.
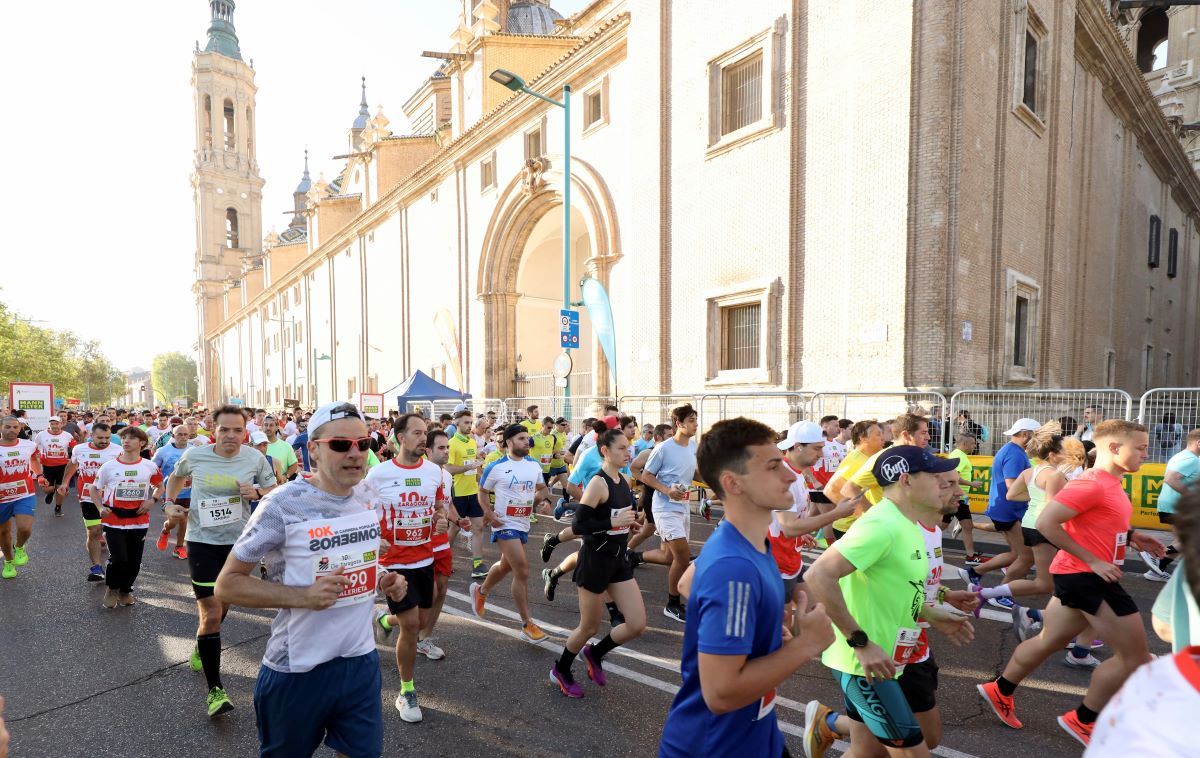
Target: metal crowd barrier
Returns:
[[883, 405], [988, 413], [1169, 413]]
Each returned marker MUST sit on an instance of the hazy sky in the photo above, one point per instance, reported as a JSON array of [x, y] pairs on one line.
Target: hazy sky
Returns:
[[98, 141]]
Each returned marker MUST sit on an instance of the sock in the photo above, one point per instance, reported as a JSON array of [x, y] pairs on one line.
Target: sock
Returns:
[[555, 573], [987, 593], [1079, 651], [1164, 563], [1006, 687], [1172, 550], [831, 722], [563, 664], [1086, 715], [554, 540], [476, 562], [383, 621], [210, 657], [636, 557], [612, 608], [1034, 614], [603, 647], [673, 600], [407, 686]]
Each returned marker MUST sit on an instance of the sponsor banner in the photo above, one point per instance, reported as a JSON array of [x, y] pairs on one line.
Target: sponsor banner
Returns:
[[371, 405], [36, 399], [1142, 487]]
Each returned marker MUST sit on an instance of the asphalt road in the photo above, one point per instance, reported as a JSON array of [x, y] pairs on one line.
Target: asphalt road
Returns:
[[84, 681]]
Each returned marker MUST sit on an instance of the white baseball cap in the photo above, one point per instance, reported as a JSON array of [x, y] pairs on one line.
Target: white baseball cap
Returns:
[[802, 433], [331, 412], [54, 418], [257, 438], [1023, 425]]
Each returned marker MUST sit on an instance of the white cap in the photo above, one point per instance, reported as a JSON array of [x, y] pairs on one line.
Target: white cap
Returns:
[[257, 438], [1023, 425], [802, 433], [54, 418], [332, 412], [459, 409]]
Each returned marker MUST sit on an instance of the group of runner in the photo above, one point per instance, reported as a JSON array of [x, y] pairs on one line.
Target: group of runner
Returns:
[[352, 525]]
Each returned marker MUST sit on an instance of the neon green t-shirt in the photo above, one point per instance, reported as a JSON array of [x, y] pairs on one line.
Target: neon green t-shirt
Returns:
[[965, 470], [887, 591]]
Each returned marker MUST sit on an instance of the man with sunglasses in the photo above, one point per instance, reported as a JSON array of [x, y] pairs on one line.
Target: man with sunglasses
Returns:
[[319, 538], [412, 504], [225, 478]]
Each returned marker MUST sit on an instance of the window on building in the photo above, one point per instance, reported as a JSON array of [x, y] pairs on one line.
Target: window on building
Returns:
[[275, 343], [287, 338], [741, 93], [296, 294], [285, 300], [249, 132], [1021, 333], [1148, 366], [1031, 57], [487, 173], [231, 229], [230, 142], [208, 122], [534, 144], [1173, 253], [1021, 328], [1152, 40], [299, 332], [739, 337], [595, 105], [350, 387], [1154, 242], [1030, 80]]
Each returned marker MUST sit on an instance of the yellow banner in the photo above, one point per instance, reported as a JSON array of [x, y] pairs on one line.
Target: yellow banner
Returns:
[[1142, 488]]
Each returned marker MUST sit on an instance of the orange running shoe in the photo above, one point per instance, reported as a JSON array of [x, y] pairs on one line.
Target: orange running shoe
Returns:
[[1071, 724], [1002, 705], [477, 599]]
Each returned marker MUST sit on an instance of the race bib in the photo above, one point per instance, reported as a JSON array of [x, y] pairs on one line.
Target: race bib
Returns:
[[617, 531], [519, 508], [358, 567], [219, 511], [412, 530], [1119, 548], [905, 650], [470, 462], [131, 492], [546, 459], [766, 705], [14, 489]]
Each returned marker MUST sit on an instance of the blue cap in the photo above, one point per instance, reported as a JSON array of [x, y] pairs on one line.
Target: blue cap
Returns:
[[908, 459]]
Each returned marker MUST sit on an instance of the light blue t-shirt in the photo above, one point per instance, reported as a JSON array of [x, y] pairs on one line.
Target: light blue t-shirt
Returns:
[[588, 466], [166, 458], [642, 444], [672, 463], [1188, 466]]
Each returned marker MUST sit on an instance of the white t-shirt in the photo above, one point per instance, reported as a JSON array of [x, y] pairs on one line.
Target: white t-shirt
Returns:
[[800, 501], [89, 459], [198, 441], [252, 427], [53, 449], [1153, 711], [289, 429], [514, 483], [154, 433], [406, 498], [933, 552]]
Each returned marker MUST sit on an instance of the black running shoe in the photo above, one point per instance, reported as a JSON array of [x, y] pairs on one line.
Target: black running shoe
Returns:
[[676, 612], [549, 584], [549, 542]]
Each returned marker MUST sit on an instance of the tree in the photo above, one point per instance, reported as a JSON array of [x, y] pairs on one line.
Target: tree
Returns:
[[174, 375]]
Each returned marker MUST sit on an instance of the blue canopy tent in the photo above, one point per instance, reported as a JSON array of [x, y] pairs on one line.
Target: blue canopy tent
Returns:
[[420, 387]]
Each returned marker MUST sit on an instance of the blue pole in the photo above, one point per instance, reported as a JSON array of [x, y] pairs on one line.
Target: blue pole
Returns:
[[566, 103]]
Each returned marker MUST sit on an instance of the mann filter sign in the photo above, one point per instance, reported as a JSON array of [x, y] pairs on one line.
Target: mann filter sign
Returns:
[[371, 405], [37, 400]]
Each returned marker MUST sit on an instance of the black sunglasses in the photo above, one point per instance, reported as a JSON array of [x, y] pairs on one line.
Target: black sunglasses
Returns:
[[342, 444]]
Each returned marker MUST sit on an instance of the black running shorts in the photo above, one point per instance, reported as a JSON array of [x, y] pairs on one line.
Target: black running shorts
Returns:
[[919, 683], [1085, 592], [420, 589], [205, 562], [598, 569], [54, 474]]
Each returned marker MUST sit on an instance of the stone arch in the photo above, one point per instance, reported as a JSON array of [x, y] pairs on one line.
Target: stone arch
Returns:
[[526, 199]]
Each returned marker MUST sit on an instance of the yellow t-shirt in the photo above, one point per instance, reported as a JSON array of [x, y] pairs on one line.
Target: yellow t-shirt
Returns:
[[495, 455], [849, 466], [532, 426], [463, 451], [541, 449]]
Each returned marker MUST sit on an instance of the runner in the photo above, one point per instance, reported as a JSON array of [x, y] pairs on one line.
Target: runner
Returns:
[[284, 456], [126, 488], [160, 428], [320, 680], [20, 473], [1089, 522], [734, 651], [873, 582], [86, 460], [548, 448], [411, 507], [225, 478], [1182, 474], [964, 446], [669, 473], [54, 450], [603, 518], [166, 458], [906, 429], [517, 481], [463, 465], [531, 423], [1009, 462], [866, 437], [437, 450], [645, 494]]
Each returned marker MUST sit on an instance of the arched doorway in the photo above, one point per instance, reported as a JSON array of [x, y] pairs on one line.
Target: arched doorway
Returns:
[[521, 277]]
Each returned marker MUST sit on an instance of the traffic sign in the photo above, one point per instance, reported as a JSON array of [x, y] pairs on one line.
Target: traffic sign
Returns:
[[568, 328]]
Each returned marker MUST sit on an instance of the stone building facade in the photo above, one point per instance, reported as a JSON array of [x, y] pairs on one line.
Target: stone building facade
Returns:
[[955, 194]]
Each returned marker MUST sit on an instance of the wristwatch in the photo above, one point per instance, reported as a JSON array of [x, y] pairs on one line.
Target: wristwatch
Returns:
[[857, 638], [163, 506]]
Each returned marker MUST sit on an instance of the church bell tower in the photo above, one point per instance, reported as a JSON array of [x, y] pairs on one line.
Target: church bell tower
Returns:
[[226, 187]]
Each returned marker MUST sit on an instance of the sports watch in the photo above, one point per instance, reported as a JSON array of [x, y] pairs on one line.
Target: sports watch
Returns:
[[857, 638]]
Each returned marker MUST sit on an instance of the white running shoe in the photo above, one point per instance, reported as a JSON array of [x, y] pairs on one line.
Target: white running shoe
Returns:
[[429, 650], [410, 709], [1156, 575], [1089, 661]]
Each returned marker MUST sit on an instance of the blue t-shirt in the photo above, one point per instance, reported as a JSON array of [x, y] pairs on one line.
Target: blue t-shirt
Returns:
[[736, 608], [1188, 466], [672, 463], [166, 458], [642, 444], [588, 466], [1009, 462], [300, 445]]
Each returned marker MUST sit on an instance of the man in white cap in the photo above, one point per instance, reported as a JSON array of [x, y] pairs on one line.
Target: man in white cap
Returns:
[[802, 448], [1009, 462]]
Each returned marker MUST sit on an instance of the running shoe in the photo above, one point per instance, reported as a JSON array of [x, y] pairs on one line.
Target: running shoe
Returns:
[[973, 577], [1096, 645], [956, 529], [1155, 575], [48, 498], [533, 633], [1088, 661], [95, 574], [1003, 603], [479, 570], [429, 650], [180, 552], [562, 512], [9, 571], [549, 542], [218, 702], [549, 584], [1150, 561], [477, 600], [594, 669], [676, 612], [818, 737], [58, 510], [110, 598], [125, 599], [569, 687], [410, 709], [161, 543], [1071, 724], [1001, 705], [194, 660], [533, 518], [20, 557], [1023, 624], [974, 559], [705, 509], [382, 630]]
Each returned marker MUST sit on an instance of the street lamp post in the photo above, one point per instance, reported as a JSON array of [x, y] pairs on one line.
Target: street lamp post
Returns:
[[316, 393], [517, 84]]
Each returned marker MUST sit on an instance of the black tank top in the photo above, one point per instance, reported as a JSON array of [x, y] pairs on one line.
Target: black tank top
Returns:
[[619, 496]]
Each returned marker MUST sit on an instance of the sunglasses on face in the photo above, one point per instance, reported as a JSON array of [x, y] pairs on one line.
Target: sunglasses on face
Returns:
[[342, 444]]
